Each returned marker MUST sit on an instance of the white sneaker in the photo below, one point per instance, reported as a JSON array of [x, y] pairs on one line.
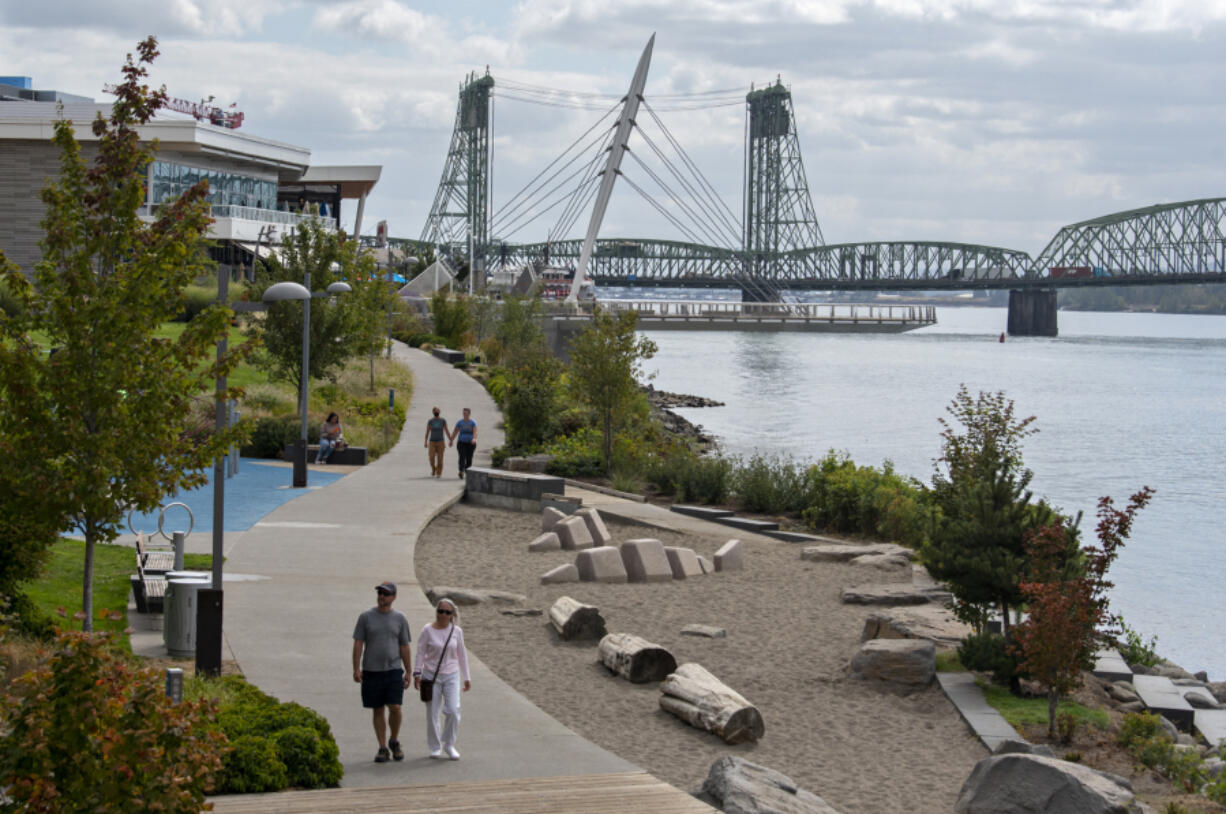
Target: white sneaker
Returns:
[[437, 754], [453, 753]]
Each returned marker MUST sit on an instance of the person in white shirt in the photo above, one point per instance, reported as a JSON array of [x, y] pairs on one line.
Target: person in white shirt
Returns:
[[441, 657]]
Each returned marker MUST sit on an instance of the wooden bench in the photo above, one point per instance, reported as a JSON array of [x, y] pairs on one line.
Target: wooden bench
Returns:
[[350, 456], [154, 561], [148, 590]]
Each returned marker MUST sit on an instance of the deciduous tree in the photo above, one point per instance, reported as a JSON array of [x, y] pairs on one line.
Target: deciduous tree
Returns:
[[110, 411]]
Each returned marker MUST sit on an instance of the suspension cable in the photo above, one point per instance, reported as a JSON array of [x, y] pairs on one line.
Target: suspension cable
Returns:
[[680, 226], [711, 232], [715, 218]]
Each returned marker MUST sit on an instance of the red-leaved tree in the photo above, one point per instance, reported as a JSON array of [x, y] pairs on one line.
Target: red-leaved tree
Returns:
[[1067, 600]]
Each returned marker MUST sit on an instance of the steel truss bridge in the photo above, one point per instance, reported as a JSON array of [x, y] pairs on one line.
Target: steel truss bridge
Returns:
[[776, 243]]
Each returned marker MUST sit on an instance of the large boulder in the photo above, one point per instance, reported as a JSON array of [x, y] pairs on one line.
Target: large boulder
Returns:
[[741, 787], [1032, 784], [896, 593], [907, 662], [932, 622], [847, 553], [474, 596]]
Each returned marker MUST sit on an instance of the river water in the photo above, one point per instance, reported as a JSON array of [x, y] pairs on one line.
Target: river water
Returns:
[[1121, 400]]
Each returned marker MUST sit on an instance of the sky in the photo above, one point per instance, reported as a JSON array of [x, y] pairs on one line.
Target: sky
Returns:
[[977, 121]]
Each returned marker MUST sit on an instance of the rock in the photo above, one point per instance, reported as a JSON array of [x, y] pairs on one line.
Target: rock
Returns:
[[1030, 784], [1218, 690], [882, 562], [634, 658], [932, 622], [1132, 706], [1168, 727], [561, 574], [847, 553], [708, 567], [474, 596], [728, 557], [1122, 691], [741, 787], [1201, 676], [595, 526], [1200, 698], [683, 562], [1184, 739], [1142, 670], [1171, 671], [574, 620], [709, 631], [521, 612], [645, 561], [1213, 767], [573, 533], [1012, 747], [602, 564], [895, 593], [908, 662], [550, 517], [546, 542], [530, 463], [559, 502]]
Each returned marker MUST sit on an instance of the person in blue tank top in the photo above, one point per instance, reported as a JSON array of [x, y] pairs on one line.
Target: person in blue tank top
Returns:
[[465, 431]]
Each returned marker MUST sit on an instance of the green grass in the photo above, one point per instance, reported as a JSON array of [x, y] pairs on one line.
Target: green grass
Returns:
[[59, 586], [948, 662], [1033, 711]]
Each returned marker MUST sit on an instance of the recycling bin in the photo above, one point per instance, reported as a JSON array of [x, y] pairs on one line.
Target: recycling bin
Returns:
[[179, 622]]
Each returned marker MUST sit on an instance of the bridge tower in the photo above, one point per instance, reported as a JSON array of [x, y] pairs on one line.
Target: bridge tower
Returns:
[[779, 214], [459, 217]]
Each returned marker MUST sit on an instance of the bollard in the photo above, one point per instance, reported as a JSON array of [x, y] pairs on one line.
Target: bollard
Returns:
[[391, 398], [232, 457], [180, 543], [174, 684]]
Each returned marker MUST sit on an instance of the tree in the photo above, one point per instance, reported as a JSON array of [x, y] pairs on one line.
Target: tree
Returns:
[[335, 334], [372, 300], [983, 507], [452, 317], [605, 363], [111, 409], [1067, 600]]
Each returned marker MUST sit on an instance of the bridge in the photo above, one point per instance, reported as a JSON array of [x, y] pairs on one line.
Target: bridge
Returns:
[[775, 243]]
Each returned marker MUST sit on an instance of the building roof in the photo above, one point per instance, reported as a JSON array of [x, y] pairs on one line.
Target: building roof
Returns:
[[354, 181]]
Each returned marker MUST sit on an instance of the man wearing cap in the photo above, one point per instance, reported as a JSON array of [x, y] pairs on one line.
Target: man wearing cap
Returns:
[[382, 664]]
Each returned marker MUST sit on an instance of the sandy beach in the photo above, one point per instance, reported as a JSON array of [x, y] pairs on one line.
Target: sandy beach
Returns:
[[789, 640]]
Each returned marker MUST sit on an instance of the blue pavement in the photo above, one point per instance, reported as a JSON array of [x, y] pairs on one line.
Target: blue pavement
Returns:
[[257, 489]]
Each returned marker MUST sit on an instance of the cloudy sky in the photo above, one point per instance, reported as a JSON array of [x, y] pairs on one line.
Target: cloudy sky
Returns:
[[979, 121]]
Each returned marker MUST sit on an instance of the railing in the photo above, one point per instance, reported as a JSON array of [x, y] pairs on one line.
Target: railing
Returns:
[[764, 311], [253, 213]]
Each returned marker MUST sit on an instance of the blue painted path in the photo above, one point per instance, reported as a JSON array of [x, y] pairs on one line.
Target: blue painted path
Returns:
[[256, 490]]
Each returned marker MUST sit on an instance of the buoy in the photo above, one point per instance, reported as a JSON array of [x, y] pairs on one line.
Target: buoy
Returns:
[[1002, 336]]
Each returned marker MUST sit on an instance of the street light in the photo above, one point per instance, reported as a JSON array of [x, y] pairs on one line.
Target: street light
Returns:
[[279, 292]]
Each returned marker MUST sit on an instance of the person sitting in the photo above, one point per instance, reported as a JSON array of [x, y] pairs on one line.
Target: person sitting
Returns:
[[330, 438]]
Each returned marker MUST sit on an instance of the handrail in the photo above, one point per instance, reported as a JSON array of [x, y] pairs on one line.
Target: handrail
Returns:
[[806, 311]]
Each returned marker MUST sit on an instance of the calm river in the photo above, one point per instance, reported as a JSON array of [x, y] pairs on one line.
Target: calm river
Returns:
[[1122, 401]]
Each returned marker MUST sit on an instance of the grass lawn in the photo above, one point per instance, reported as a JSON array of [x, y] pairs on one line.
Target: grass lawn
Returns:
[[62, 578], [1033, 711]]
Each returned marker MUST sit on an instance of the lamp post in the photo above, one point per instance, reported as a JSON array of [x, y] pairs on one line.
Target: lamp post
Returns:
[[278, 292]]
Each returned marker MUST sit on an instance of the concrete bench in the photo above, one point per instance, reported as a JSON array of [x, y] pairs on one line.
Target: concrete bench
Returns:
[[519, 491], [1160, 695], [350, 456], [1110, 666], [448, 355]]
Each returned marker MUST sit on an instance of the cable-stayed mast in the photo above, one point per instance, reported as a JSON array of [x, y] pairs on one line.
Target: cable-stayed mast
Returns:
[[460, 213], [779, 214]]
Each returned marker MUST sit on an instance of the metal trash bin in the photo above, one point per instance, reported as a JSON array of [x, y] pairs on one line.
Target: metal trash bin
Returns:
[[179, 624]]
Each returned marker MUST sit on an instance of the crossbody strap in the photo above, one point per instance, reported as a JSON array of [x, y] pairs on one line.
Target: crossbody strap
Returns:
[[439, 666]]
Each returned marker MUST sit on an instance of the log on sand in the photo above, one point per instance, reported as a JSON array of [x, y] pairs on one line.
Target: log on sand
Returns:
[[702, 700], [635, 659], [574, 620]]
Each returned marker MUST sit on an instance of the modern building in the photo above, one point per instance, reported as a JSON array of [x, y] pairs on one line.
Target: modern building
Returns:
[[259, 188]]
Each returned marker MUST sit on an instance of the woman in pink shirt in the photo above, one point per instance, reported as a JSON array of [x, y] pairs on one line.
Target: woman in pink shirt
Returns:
[[442, 658]]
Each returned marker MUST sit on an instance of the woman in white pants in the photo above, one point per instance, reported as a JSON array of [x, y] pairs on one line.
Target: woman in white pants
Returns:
[[442, 658]]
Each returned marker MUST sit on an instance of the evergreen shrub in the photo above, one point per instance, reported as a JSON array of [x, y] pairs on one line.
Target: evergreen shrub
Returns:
[[270, 435], [770, 485], [850, 499], [252, 766], [988, 653]]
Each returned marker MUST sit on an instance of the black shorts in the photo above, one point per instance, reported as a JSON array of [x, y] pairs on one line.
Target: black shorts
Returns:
[[382, 689]]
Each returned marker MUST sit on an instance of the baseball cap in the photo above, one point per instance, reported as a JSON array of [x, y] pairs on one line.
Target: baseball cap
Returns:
[[387, 588]]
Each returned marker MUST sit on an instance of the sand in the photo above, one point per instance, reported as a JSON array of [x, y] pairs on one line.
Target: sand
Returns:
[[788, 645]]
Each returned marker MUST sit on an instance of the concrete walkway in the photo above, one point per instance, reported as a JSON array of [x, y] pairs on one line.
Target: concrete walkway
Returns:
[[310, 568]]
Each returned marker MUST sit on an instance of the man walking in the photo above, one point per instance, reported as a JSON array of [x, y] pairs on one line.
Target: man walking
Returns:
[[466, 431], [380, 640], [436, 433]]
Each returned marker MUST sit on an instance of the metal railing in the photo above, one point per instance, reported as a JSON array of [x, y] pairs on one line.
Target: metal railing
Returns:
[[255, 214], [761, 311]]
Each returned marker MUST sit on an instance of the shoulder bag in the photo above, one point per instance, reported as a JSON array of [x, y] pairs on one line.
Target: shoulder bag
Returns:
[[427, 684]]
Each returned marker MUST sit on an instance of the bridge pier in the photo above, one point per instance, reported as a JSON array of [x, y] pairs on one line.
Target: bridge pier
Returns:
[[1032, 312], [758, 293]]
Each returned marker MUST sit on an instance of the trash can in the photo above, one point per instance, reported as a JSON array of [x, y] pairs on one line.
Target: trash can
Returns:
[[179, 623]]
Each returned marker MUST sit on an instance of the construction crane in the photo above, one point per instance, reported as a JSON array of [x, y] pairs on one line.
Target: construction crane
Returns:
[[203, 110]]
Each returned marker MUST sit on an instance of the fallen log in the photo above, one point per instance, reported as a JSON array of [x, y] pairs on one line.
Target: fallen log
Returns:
[[702, 700], [574, 620], [635, 659]]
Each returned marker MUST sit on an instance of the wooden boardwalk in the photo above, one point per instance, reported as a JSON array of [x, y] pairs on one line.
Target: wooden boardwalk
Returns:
[[576, 794]]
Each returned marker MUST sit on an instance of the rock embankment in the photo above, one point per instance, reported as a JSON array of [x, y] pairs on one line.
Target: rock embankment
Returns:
[[662, 405]]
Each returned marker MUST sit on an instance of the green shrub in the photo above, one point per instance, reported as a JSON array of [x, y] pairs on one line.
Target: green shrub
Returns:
[[196, 299], [989, 653], [270, 436], [576, 455], [418, 339], [252, 766], [772, 485], [26, 618], [850, 499], [691, 477], [266, 398], [1134, 648], [9, 304], [1138, 727], [310, 761]]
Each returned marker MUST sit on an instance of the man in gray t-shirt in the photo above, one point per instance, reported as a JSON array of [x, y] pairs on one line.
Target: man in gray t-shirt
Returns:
[[382, 664]]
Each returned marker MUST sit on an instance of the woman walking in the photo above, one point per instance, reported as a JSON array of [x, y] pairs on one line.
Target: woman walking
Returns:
[[441, 658]]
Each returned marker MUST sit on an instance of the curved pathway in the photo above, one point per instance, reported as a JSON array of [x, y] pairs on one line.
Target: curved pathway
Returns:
[[319, 557]]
